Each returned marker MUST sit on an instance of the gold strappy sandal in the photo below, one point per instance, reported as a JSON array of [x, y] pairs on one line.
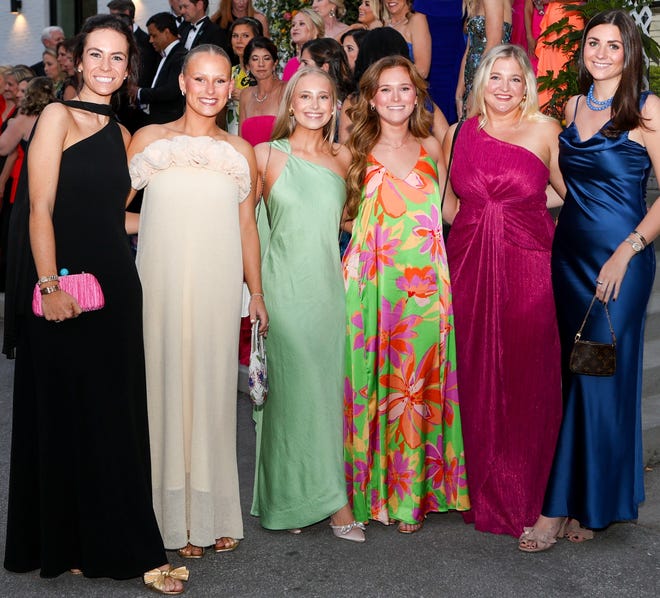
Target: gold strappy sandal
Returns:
[[155, 579]]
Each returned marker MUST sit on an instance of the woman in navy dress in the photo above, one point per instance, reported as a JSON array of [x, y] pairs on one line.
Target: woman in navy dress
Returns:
[[602, 245]]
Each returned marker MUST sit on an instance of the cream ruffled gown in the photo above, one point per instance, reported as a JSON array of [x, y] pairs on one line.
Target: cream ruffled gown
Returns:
[[190, 264]]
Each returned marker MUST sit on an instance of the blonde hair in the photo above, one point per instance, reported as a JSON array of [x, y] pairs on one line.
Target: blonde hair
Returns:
[[285, 123], [378, 8], [341, 8], [4, 69], [529, 107], [366, 123], [314, 21]]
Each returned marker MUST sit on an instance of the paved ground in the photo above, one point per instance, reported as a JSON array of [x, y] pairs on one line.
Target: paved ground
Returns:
[[447, 558]]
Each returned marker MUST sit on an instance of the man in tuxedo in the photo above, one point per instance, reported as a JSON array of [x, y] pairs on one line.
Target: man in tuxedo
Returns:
[[198, 28], [149, 58], [128, 113], [175, 9], [163, 99], [50, 37]]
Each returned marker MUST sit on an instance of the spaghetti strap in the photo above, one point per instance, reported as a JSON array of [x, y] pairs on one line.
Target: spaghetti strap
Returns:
[[577, 102]]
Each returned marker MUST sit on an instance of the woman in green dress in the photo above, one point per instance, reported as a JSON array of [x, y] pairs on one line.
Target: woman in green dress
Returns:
[[299, 476], [403, 442]]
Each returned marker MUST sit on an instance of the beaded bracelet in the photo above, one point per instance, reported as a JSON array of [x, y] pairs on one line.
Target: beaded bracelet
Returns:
[[51, 289], [256, 295], [50, 278]]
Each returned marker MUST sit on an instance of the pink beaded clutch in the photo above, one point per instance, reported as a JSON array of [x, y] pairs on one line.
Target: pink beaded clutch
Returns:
[[85, 288]]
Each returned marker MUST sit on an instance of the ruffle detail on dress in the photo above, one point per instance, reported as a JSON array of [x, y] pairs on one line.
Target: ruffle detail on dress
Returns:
[[200, 152]]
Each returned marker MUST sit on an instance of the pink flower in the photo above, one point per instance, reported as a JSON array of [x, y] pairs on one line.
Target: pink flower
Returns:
[[434, 463], [379, 252], [431, 228], [400, 475], [358, 322], [352, 410], [419, 283], [287, 16], [415, 403], [394, 330], [361, 474], [454, 479]]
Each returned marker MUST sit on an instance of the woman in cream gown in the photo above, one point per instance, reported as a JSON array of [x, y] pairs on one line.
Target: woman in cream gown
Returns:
[[197, 239]]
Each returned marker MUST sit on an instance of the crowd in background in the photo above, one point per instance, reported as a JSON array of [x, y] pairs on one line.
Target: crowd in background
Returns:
[[411, 371]]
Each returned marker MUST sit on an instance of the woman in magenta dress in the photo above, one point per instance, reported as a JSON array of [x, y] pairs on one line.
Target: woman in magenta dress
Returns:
[[259, 104], [499, 261], [305, 25]]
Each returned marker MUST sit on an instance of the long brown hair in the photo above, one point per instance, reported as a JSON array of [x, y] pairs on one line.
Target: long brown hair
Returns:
[[224, 17], [626, 113], [366, 124]]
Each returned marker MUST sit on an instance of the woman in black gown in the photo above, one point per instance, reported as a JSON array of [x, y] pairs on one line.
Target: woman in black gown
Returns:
[[80, 486]]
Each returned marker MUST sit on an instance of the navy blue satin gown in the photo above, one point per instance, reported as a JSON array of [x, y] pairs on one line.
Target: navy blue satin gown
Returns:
[[597, 472]]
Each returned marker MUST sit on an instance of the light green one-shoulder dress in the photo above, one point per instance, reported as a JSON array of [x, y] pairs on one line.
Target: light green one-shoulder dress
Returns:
[[299, 475]]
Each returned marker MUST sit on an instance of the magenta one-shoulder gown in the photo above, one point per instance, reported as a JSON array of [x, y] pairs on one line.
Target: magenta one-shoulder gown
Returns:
[[508, 355]]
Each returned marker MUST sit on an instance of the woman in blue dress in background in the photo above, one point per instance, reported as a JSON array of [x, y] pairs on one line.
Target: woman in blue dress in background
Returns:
[[603, 245]]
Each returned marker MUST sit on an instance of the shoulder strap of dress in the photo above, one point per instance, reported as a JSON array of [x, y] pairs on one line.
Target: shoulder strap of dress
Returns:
[[263, 179], [577, 102], [282, 145], [103, 109]]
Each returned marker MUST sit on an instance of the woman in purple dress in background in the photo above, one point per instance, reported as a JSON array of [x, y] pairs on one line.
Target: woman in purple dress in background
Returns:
[[499, 261]]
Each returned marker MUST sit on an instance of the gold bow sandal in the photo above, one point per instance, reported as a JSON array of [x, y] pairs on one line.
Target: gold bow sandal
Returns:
[[155, 579]]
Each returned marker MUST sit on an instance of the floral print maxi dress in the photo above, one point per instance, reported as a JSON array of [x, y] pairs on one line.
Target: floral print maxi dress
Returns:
[[402, 434]]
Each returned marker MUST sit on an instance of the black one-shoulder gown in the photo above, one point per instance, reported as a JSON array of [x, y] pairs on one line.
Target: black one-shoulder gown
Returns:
[[80, 482]]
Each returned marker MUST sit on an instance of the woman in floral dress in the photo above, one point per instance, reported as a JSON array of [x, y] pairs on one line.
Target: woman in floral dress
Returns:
[[403, 442]]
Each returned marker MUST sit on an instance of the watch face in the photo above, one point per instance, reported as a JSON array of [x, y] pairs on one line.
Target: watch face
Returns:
[[637, 246]]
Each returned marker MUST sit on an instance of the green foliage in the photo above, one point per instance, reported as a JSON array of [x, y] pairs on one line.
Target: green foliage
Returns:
[[280, 13], [564, 84], [654, 79]]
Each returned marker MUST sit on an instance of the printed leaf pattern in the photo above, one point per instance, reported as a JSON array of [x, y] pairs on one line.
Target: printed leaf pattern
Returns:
[[402, 435]]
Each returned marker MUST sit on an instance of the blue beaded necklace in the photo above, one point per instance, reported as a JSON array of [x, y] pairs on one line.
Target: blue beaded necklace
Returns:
[[595, 104]]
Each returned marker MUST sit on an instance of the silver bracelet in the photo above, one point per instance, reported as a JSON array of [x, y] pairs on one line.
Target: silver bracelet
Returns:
[[50, 278]]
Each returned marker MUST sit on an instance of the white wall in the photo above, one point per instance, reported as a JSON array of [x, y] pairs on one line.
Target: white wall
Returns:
[[145, 8], [20, 35]]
